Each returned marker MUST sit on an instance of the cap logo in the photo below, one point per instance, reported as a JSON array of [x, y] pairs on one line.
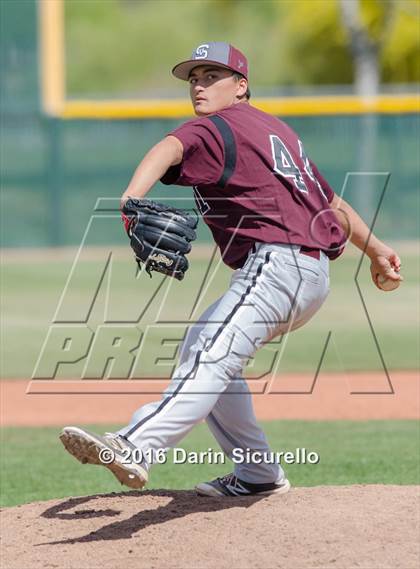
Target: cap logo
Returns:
[[240, 64], [202, 51]]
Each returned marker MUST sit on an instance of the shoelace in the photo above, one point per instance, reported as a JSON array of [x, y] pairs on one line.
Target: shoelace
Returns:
[[234, 485], [114, 440], [228, 479]]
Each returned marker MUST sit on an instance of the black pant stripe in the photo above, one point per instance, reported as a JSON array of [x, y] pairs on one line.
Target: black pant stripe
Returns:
[[197, 358]]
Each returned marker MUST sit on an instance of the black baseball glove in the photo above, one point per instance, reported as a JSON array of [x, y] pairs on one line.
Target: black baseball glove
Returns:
[[160, 235]]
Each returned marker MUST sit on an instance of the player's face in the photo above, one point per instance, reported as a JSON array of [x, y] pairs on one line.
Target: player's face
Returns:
[[213, 89]]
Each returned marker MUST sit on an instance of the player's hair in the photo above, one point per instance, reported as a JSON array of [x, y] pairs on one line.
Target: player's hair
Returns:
[[238, 77]]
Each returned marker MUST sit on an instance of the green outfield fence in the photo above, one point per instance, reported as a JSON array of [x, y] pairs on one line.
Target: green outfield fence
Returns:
[[53, 170]]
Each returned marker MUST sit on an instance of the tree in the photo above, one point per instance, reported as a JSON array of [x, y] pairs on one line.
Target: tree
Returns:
[[364, 47]]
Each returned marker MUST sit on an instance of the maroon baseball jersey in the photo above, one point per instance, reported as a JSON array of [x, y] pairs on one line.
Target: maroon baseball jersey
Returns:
[[254, 183]]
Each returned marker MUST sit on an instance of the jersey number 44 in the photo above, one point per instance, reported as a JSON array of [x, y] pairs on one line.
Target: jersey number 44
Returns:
[[287, 167]]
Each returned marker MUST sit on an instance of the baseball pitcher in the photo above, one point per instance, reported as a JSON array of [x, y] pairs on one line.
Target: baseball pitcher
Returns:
[[277, 223]]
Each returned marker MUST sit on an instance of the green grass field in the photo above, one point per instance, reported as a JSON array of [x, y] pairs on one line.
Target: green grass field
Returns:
[[35, 466], [31, 293]]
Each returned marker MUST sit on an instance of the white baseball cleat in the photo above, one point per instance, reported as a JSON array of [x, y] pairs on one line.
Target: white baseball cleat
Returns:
[[231, 485], [110, 450]]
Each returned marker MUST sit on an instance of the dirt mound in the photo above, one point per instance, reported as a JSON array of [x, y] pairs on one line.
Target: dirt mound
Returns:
[[368, 527]]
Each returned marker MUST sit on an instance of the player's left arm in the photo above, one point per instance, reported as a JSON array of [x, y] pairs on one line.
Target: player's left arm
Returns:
[[384, 260]]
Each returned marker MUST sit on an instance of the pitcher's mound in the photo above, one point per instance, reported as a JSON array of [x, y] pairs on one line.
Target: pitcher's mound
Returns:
[[369, 527]]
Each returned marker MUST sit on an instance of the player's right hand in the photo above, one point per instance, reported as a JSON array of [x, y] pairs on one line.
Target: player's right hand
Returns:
[[386, 264]]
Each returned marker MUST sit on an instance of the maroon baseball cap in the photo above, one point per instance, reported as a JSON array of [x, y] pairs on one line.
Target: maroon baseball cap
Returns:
[[218, 53]]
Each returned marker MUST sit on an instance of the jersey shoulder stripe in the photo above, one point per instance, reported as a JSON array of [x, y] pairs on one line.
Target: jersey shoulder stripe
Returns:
[[229, 147]]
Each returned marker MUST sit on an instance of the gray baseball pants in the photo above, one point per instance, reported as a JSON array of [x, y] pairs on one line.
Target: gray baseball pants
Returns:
[[277, 290]]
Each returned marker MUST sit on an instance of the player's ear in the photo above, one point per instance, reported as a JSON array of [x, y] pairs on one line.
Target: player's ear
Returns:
[[242, 87]]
